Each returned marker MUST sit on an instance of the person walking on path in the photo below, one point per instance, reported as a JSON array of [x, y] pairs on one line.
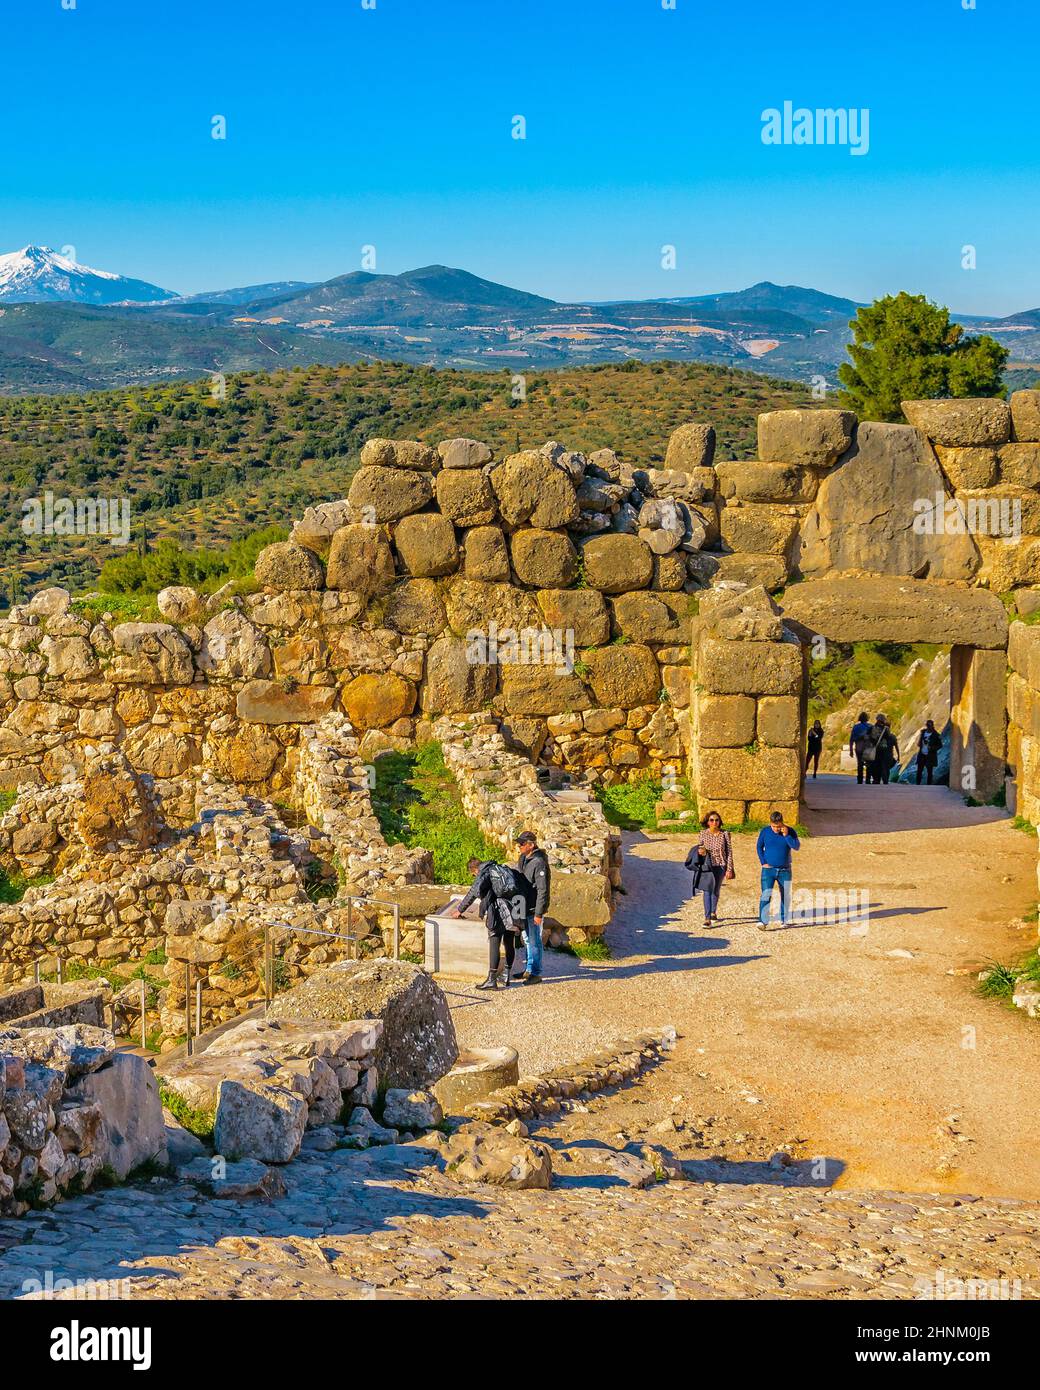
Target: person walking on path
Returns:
[[713, 854], [858, 737], [814, 747], [497, 888], [775, 843], [886, 750], [928, 746], [533, 866]]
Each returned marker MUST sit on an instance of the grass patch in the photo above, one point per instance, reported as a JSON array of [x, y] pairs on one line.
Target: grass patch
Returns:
[[1000, 979], [7, 800], [417, 802], [198, 1122], [596, 949], [633, 805], [13, 887]]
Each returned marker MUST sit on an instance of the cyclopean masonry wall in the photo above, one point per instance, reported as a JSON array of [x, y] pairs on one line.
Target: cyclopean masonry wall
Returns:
[[549, 597]]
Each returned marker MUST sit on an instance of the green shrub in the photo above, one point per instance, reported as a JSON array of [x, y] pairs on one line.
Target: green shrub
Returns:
[[417, 802]]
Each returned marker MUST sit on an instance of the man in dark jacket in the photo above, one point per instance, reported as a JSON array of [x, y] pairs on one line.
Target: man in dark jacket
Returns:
[[533, 865], [495, 912], [928, 747]]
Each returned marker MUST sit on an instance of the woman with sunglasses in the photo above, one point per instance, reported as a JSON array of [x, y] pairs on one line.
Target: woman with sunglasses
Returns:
[[715, 846]]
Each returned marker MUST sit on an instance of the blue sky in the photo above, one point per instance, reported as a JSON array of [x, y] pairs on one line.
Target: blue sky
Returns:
[[391, 127]]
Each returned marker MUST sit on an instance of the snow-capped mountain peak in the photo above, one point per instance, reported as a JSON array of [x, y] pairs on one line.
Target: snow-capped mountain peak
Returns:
[[37, 274]]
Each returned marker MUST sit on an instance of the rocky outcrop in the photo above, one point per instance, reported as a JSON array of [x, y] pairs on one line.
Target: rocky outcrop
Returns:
[[416, 1044]]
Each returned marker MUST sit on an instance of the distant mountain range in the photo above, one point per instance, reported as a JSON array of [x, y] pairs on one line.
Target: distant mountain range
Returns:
[[65, 327]]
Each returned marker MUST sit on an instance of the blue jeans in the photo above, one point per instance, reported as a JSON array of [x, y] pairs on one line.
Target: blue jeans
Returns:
[[533, 942], [782, 879], [712, 882]]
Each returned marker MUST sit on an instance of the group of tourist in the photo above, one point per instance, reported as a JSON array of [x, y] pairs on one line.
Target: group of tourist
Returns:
[[711, 861], [873, 744], [513, 903], [515, 898]]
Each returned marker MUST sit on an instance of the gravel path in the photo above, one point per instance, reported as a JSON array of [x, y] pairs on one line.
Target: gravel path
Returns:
[[850, 1040]]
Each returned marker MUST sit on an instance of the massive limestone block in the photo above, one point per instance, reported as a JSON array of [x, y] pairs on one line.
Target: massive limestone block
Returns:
[[426, 545], [623, 677], [115, 805], [868, 513], [532, 488], [319, 524], [473, 606], [580, 900], [126, 1092], [52, 602], [754, 481], [541, 690], [380, 494], [770, 571], [466, 496], [1025, 416], [617, 563], [283, 702], [258, 1119], [1019, 466], [417, 1043], [233, 648], [248, 755], [288, 566], [455, 682], [968, 467], [544, 559], [896, 610], [779, 721], [69, 658], [758, 529], [580, 612], [690, 446], [161, 752], [463, 453], [961, 423], [150, 654], [812, 438], [360, 561], [399, 453], [758, 774], [750, 668], [642, 616], [375, 702], [487, 558], [179, 603], [416, 607], [725, 721]]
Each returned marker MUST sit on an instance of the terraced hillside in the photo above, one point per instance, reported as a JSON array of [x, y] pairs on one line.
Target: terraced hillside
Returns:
[[207, 471]]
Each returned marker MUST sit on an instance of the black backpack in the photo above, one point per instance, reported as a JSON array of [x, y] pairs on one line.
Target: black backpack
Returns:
[[510, 892]]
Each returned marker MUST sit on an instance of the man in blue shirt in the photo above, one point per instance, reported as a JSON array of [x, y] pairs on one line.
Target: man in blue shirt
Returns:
[[859, 736], [775, 843]]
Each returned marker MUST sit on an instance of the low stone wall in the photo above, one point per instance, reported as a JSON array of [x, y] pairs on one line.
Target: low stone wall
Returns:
[[71, 1107], [500, 791]]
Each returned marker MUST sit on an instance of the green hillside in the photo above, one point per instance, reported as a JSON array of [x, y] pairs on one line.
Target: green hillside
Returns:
[[206, 471]]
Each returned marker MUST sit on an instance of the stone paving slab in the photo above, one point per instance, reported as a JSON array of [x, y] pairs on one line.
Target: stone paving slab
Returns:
[[388, 1224]]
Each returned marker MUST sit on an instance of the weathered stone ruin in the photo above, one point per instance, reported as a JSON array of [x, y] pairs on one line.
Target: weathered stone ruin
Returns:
[[191, 783]]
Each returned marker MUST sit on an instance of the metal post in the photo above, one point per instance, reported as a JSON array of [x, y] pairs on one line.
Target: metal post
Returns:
[[351, 952], [187, 1006], [198, 1007], [397, 931], [36, 973], [61, 971], [144, 1005]]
